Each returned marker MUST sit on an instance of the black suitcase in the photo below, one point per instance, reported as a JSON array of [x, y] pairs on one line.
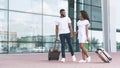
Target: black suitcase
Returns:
[[54, 52], [104, 56]]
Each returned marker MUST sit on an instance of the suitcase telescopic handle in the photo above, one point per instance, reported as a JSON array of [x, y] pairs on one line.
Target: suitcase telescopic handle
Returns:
[[56, 41]]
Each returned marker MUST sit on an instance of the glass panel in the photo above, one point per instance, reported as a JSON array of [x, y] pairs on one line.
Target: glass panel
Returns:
[[96, 14], [3, 4], [49, 28], [53, 7], [25, 47], [97, 25], [24, 28], [84, 1], [96, 2], [88, 10], [3, 31], [39, 48], [3, 47], [26, 5], [84, 7], [87, 1], [3, 21], [96, 41], [79, 7], [81, 1]]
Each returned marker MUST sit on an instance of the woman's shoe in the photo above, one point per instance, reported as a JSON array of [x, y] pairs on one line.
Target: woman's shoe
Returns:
[[88, 59], [82, 61]]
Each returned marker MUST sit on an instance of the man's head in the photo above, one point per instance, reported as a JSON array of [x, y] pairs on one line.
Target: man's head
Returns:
[[62, 12]]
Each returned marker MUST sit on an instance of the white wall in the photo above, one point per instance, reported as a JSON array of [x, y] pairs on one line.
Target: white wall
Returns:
[[113, 20], [117, 14], [109, 24]]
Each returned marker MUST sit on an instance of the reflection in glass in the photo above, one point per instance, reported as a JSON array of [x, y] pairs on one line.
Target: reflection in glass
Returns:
[[78, 8], [24, 28], [96, 41], [96, 14], [25, 48], [53, 7], [26, 5], [96, 2], [49, 28], [88, 10], [3, 31], [87, 1], [96, 25], [32, 33], [3, 4]]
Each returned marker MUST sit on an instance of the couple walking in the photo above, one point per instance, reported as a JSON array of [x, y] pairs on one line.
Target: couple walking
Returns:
[[64, 29]]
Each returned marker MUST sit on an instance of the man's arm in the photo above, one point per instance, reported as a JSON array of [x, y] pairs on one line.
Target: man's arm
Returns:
[[70, 28], [56, 32]]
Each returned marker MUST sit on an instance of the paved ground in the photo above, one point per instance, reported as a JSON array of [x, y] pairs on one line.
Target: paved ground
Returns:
[[40, 61]]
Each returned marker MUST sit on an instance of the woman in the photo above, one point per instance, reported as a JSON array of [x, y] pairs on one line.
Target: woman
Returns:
[[82, 31]]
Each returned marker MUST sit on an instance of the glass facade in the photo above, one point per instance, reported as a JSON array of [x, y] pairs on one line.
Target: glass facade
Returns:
[[34, 6], [28, 26]]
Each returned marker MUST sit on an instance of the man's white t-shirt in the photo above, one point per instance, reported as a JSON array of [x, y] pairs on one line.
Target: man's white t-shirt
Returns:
[[82, 30], [63, 25]]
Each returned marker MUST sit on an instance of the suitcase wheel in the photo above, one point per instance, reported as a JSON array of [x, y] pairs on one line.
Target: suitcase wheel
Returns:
[[57, 58], [49, 58]]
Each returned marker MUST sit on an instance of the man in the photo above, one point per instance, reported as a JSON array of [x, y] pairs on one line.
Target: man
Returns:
[[64, 28]]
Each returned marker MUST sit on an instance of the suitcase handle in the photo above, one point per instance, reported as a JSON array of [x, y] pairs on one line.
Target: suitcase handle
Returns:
[[56, 41]]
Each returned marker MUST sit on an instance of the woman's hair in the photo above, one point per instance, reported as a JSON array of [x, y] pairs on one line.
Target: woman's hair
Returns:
[[85, 15]]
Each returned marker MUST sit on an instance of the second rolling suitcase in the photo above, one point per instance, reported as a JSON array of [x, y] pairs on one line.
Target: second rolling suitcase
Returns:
[[103, 55]]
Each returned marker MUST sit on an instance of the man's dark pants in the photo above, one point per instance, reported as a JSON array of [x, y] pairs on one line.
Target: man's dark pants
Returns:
[[66, 37]]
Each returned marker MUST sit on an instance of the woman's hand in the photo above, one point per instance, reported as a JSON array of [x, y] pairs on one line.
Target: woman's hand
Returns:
[[87, 39], [75, 33]]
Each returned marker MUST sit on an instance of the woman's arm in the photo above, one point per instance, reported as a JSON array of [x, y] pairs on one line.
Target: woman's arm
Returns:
[[87, 31]]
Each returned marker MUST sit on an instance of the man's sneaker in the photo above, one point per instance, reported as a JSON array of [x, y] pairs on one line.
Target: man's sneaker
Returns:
[[63, 60], [82, 61], [88, 59], [73, 58]]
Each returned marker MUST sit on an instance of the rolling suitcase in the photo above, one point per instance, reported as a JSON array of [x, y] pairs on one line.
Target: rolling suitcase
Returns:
[[54, 52], [104, 56]]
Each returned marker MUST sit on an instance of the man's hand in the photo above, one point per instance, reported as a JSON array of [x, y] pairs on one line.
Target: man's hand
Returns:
[[71, 35], [75, 33]]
